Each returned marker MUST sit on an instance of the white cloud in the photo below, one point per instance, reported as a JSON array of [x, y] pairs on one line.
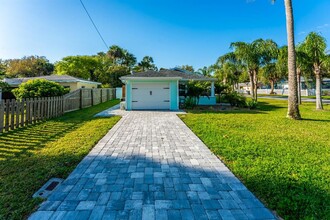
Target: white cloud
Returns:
[[322, 26]]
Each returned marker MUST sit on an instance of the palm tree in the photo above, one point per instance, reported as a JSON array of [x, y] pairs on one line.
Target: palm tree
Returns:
[[205, 71], [293, 106], [129, 59], [269, 54], [253, 56], [249, 56], [147, 63], [315, 48], [303, 68], [116, 54], [228, 69]]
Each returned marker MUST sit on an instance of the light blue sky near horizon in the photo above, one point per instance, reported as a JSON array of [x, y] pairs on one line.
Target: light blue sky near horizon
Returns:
[[173, 32]]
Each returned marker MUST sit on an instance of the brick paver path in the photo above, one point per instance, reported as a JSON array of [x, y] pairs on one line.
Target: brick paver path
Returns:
[[151, 166]]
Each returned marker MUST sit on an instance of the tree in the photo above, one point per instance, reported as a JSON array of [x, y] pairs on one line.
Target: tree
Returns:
[[303, 68], [147, 63], [293, 106], [112, 76], [5, 87], [39, 88], [206, 71], [253, 56], [272, 75], [3, 67], [29, 67], [197, 89], [116, 54], [129, 59], [315, 48], [228, 69], [79, 66], [121, 57], [274, 72], [188, 68], [269, 55]]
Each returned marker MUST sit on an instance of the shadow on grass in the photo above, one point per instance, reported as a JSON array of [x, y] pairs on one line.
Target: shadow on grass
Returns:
[[262, 108], [290, 198], [31, 155], [23, 141], [317, 120]]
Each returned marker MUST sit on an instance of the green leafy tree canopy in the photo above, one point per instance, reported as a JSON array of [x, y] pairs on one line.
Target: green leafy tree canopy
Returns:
[[30, 66]]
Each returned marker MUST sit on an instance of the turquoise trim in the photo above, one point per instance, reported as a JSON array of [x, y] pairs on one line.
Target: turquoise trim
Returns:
[[204, 100], [174, 95], [128, 96]]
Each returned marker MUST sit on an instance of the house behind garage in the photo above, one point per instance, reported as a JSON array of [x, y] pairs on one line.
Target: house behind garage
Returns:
[[67, 81]]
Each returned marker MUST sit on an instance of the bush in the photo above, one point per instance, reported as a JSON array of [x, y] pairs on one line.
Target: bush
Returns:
[[39, 88], [190, 102], [252, 104], [234, 99], [5, 87]]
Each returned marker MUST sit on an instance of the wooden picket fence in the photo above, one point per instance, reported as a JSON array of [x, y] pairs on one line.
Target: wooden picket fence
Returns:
[[19, 113]]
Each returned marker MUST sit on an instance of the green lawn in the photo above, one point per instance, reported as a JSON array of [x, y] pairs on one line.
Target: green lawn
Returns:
[[30, 156], [285, 163], [325, 97]]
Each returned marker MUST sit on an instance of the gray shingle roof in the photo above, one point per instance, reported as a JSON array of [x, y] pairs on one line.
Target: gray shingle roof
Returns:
[[184, 75], [54, 78]]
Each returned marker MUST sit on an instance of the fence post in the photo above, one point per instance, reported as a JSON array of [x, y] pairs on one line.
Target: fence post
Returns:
[[7, 115], [22, 112], [2, 115], [92, 97], [81, 98], [42, 115], [34, 110], [18, 109], [12, 114]]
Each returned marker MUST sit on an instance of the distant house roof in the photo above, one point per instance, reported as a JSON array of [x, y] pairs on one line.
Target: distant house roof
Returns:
[[174, 73], [54, 78]]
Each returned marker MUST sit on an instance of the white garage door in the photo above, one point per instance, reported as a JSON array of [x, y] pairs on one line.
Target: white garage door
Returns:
[[150, 96]]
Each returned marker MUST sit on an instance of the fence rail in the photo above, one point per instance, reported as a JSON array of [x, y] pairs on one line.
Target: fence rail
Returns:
[[19, 113]]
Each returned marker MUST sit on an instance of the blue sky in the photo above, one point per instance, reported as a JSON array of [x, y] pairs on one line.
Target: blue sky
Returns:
[[173, 32]]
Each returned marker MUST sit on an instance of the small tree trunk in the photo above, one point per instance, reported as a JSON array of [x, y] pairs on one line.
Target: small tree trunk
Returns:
[[251, 84], [318, 89], [299, 85], [293, 107], [271, 87], [255, 79]]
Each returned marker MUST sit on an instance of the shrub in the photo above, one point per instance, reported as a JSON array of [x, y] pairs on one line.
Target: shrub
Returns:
[[5, 87], [252, 104], [39, 88], [234, 99], [190, 102]]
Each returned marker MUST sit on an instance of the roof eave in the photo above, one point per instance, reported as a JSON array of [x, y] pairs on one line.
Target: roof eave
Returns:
[[149, 78], [210, 79]]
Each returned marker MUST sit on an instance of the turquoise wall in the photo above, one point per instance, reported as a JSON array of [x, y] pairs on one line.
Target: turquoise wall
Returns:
[[128, 96], [204, 100], [174, 95]]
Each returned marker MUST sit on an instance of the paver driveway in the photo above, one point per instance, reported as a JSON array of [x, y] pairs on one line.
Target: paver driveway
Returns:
[[151, 166]]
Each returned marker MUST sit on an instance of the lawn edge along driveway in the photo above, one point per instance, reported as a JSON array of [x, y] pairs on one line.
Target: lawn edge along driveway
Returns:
[[284, 162], [30, 156]]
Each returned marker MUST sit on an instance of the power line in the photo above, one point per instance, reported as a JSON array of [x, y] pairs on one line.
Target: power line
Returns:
[[97, 30]]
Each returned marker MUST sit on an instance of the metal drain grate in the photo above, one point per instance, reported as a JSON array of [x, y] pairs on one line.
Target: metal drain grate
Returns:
[[48, 188]]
